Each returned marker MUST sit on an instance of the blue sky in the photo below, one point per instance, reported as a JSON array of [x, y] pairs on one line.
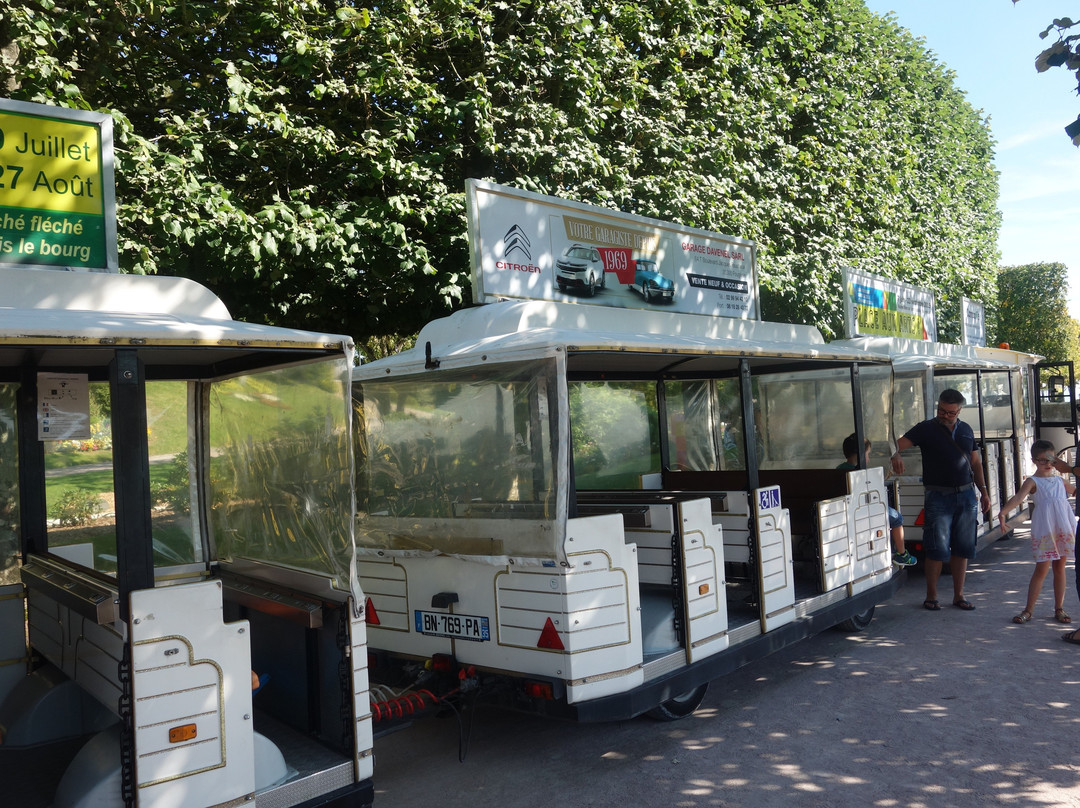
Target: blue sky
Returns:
[[991, 45]]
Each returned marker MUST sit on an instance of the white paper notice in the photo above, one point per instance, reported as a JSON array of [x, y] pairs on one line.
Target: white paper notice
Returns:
[[63, 406]]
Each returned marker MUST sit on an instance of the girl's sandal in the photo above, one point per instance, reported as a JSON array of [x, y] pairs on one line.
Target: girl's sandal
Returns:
[[1023, 617], [1062, 616]]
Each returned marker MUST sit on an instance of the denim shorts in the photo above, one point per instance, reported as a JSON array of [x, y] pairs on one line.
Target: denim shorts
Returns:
[[895, 519], [949, 524]]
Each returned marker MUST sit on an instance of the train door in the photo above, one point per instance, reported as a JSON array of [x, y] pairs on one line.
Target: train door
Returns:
[[1055, 406]]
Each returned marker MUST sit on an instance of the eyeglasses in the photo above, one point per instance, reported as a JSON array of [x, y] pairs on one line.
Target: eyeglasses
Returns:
[[948, 413]]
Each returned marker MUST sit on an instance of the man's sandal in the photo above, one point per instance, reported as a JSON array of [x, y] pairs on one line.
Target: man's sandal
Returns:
[[967, 606], [931, 605], [1072, 636], [1023, 617], [1062, 616]]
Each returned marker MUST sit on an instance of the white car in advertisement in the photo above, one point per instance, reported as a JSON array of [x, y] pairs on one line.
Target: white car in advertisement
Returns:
[[580, 267]]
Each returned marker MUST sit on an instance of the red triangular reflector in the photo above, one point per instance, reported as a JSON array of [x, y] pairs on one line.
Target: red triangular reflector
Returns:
[[920, 520], [372, 615], [549, 638]]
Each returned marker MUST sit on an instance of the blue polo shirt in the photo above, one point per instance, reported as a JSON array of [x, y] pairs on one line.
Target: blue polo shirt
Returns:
[[943, 464]]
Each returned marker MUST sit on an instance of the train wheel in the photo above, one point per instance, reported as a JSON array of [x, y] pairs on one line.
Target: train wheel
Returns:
[[857, 622], [680, 706]]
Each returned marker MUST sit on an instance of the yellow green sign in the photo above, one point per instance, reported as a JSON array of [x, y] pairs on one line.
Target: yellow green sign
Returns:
[[888, 308], [57, 207]]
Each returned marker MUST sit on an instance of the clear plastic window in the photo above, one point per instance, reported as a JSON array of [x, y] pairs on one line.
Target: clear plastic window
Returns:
[[460, 462], [79, 489], [177, 539], [1021, 387], [80, 501], [966, 384], [802, 418], [876, 387], [909, 408], [280, 483], [1055, 398], [997, 404], [615, 432], [705, 425]]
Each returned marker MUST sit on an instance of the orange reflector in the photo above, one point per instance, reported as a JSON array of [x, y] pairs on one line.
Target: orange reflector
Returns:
[[182, 733], [539, 690], [549, 638], [703, 589], [920, 520], [372, 615]]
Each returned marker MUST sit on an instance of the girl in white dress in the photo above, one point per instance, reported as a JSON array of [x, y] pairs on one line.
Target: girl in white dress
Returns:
[[1053, 528]]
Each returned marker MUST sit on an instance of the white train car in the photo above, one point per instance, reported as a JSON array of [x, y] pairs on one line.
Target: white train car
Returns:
[[1054, 393], [997, 386], [592, 512], [207, 541]]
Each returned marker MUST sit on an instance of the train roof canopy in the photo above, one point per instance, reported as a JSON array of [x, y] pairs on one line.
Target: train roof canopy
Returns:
[[76, 319], [601, 339], [915, 355]]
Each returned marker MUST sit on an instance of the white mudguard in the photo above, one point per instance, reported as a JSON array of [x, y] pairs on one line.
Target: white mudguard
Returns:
[[775, 572], [703, 582], [871, 543], [191, 691], [837, 546]]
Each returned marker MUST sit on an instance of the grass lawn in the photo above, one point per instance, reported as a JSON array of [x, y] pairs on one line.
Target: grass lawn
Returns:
[[95, 482], [166, 421]]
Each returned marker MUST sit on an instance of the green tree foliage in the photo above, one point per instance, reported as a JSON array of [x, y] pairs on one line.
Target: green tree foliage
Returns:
[[306, 158], [1033, 311], [1063, 52]]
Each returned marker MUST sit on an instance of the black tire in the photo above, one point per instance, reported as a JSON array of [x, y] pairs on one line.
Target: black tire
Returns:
[[562, 286], [680, 706], [857, 622], [603, 280], [590, 290], [646, 292]]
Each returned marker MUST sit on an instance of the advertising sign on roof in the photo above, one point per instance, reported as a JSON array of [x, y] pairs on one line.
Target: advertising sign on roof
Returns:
[[527, 245], [883, 307], [57, 204], [973, 314]]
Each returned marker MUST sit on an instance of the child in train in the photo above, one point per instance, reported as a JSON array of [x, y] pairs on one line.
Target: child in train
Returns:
[[901, 557]]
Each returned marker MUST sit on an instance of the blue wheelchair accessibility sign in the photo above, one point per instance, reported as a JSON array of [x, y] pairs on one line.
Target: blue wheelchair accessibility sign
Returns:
[[769, 498]]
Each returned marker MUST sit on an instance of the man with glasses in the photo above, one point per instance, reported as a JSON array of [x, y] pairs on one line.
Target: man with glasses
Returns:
[[951, 467]]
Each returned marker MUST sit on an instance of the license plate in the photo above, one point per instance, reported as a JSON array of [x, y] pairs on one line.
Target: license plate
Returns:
[[457, 626]]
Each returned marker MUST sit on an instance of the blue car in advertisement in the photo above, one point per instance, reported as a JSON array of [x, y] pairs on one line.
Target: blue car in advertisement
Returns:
[[651, 284]]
